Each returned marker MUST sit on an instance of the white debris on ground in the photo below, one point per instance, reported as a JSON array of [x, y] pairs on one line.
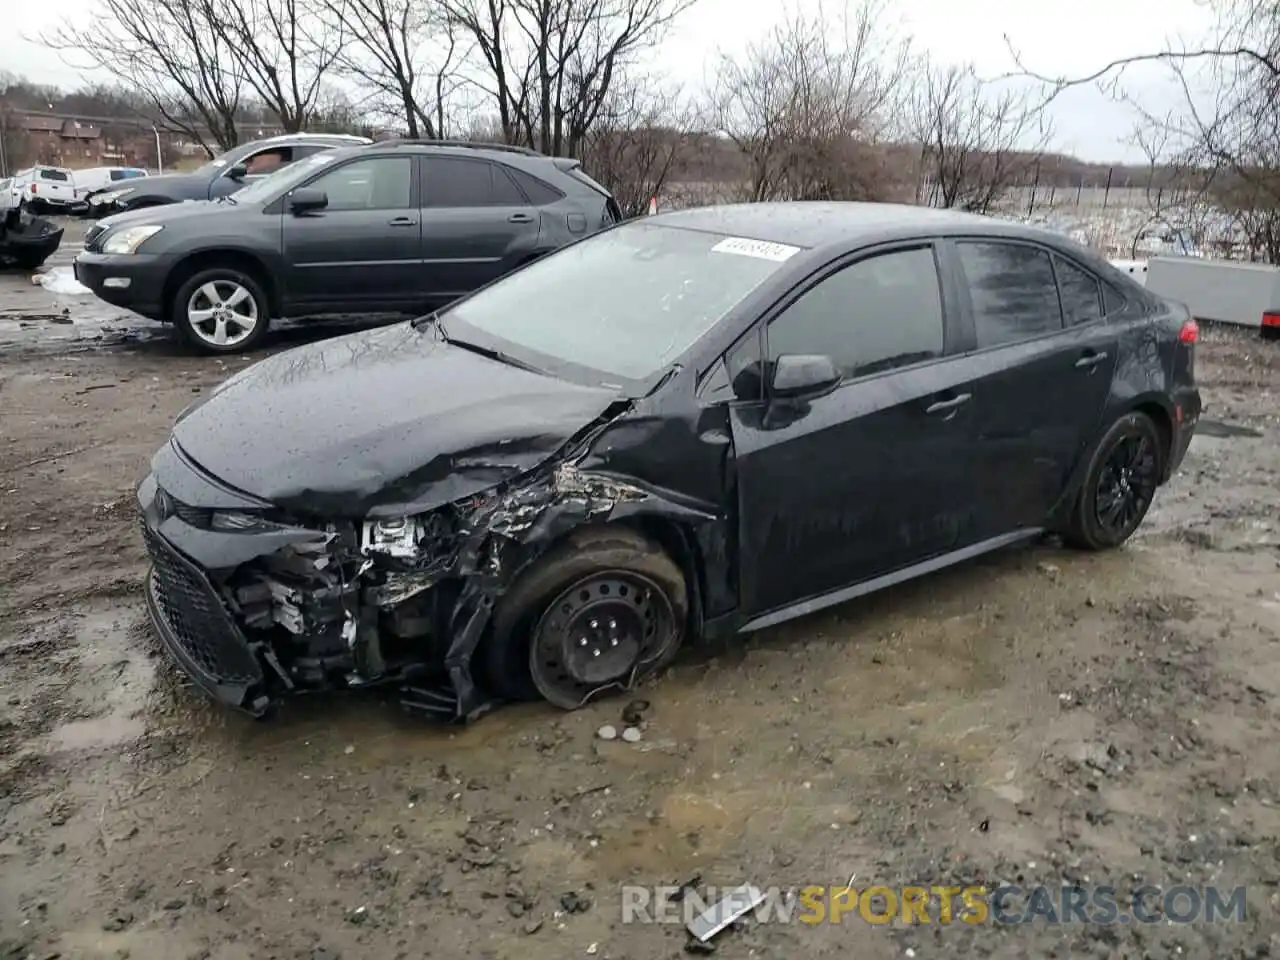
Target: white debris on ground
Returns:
[[61, 282]]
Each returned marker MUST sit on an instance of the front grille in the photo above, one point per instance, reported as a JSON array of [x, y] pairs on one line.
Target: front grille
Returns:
[[197, 617]]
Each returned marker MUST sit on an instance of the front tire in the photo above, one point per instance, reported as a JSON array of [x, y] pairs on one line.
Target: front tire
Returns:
[[602, 611], [221, 310], [1119, 485]]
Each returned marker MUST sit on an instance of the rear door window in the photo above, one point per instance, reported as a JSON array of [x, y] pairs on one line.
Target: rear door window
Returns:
[[505, 192], [1012, 288], [873, 315], [57, 176], [461, 182], [539, 193], [1113, 301], [1080, 291]]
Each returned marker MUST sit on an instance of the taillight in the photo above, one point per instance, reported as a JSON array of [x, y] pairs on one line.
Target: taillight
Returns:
[[1271, 320], [33, 188], [1189, 333]]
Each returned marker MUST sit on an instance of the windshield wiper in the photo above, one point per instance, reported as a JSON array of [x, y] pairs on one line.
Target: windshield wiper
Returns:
[[432, 318], [491, 353]]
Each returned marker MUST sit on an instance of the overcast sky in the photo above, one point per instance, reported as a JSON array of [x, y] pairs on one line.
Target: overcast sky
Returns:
[[1086, 35]]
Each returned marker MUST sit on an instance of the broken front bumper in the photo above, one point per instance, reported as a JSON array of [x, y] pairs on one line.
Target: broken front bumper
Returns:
[[253, 604], [195, 627], [189, 615]]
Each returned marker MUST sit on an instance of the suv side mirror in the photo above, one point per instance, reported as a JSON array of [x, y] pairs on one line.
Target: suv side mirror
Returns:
[[306, 199], [802, 374], [237, 171]]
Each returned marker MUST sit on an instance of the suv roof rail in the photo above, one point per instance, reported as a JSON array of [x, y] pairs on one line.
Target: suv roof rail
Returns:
[[470, 144], [303, 135]]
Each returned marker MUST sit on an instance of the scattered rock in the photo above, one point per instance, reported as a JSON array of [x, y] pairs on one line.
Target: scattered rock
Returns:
[[632, 735], [177, 903], [607, 732], [571, 902], [532, 927], [117, 921], [633, 713]]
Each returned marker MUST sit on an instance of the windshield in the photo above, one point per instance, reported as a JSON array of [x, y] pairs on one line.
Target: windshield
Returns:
[[627, 302], [279, 180]]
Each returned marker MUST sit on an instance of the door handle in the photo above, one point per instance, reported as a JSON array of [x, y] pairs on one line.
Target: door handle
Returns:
[[1091, 360], [942, 406], [402, 222], [520, 218]]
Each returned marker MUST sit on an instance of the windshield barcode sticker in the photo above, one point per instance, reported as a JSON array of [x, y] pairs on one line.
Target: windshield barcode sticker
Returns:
[[745, 247]]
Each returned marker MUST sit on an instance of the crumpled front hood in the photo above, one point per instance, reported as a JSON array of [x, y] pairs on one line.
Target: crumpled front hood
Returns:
[[381, 423]]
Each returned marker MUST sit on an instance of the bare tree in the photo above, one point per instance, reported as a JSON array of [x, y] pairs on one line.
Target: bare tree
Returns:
[[548, 66], [1236, 138], [404, 54], [1173, 187], [281, 50], [172, 51], [977, 140], [806, 105], [639, 141]]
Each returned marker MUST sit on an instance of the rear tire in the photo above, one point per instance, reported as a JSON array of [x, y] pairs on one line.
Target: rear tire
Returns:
[[1119, 485], [221, 310], [610, 576]]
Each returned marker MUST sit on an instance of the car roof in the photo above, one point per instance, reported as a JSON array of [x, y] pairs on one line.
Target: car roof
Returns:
[[818, 224]]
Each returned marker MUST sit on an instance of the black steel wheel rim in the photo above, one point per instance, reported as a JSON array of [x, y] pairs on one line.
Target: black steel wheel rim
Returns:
[[597, 634], [1126, 484]]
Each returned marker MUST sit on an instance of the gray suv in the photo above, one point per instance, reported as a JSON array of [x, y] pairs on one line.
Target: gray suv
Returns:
[[402, 226]]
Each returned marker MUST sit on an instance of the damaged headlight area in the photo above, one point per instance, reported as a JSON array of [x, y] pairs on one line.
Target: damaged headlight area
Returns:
[[395, 599]]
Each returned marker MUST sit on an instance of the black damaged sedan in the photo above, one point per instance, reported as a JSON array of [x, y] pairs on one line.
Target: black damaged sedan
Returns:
[[690, 425]]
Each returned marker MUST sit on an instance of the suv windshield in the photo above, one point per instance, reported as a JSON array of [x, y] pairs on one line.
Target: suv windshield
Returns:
[[278, 180], [627, 302]]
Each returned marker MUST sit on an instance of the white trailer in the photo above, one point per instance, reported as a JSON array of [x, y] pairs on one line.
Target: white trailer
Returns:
[[1134, 268], [1224, 291]]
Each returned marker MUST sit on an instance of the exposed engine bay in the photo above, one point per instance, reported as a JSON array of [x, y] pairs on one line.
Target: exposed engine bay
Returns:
[[407, 599]]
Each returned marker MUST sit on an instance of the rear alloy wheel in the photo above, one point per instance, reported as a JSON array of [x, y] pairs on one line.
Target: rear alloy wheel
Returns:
[[601, 612], [1120, 484], [221, 311]]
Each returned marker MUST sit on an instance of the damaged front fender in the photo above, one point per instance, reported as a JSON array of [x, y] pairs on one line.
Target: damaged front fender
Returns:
[[402, 599]]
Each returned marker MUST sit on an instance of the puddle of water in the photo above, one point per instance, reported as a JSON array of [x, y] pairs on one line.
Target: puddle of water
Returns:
[[114, 683]]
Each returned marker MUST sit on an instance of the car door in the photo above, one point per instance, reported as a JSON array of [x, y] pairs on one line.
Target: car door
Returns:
[[476, 225], [1040, 383], [361, 251], [868, 478]]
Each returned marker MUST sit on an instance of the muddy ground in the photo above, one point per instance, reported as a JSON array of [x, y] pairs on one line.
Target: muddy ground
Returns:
[[1042, 716]]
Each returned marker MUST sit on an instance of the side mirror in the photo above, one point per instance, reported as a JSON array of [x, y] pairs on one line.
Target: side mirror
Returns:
[[800, 374], [306, 199], [237, 172]]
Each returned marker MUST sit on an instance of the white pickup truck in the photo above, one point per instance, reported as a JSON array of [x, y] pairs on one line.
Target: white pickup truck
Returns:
[[45, 188]]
